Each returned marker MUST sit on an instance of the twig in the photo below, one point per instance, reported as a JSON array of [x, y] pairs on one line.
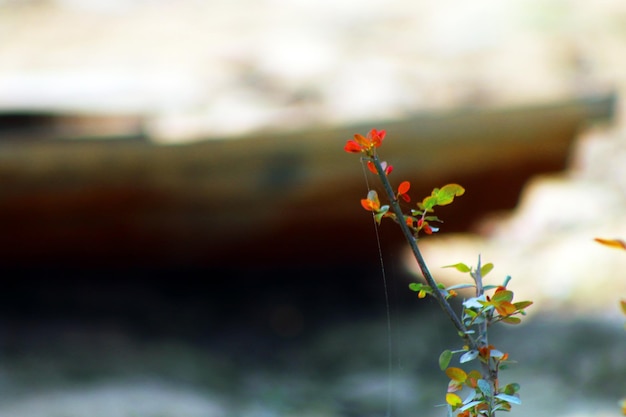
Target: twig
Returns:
[[393, 201]]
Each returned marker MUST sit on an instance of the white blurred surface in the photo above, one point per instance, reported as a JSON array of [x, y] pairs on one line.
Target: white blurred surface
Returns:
[[226, 67]]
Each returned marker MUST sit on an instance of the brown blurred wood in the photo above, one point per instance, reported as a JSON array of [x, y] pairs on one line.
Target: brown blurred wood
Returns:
[[267, 197]]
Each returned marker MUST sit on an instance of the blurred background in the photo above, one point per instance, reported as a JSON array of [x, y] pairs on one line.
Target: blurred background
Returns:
[[181, 232]]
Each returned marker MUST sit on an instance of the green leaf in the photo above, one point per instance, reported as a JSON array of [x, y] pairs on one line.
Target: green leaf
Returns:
[[428, 203], [470, 355], [502, 296], [485, 387], [495, 353], [522, 304], [474, 302], [470, 405], [381, 213], [509, 398], [470, 313], [485, 269], [444, 359], [461, 267], [511, 320], [511, 388], [446, 194], [416, 286], [433, 219], [502, 405]]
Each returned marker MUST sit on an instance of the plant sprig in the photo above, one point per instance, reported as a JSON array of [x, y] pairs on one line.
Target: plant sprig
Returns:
[[478, 313]]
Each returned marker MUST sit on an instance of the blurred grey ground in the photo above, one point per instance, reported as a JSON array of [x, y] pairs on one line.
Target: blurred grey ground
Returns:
[[188, 71], [565, 368]]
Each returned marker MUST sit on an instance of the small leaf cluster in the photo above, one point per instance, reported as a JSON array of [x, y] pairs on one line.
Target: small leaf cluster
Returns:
[[443, 196], [419, 219], [482, 399], [484, 308], [423, 290], [479, 312]]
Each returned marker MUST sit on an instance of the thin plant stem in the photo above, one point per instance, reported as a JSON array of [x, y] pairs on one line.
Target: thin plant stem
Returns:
[[490, 374], [393, 201]]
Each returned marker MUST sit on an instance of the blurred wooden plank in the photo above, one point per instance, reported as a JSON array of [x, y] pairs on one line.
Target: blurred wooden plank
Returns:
[[268, 197]]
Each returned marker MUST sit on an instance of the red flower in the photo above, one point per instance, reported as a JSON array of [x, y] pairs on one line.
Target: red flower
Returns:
[[365, 144]]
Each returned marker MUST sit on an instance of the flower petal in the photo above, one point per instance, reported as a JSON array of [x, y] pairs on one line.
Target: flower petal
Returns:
[[362, 140], [352, 147], [376, 137]]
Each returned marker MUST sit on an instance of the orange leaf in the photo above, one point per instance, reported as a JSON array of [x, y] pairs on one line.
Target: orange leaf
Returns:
[[371, 167], [485, 351], [371, 203], [404, 187], [456, 374], [612, 243], [505, 308], [367, 204], [472, 378]]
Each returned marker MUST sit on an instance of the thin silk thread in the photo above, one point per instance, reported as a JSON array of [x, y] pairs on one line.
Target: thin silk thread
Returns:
[[387, 307]]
